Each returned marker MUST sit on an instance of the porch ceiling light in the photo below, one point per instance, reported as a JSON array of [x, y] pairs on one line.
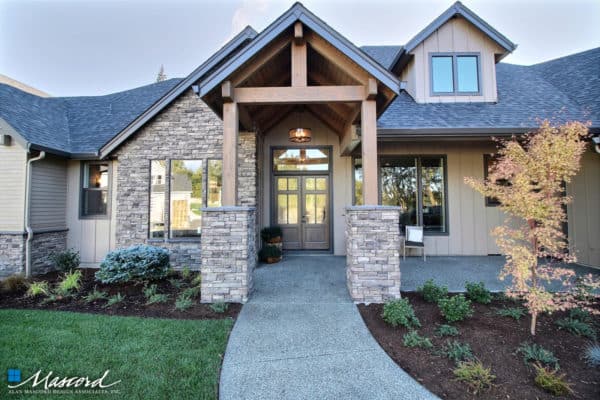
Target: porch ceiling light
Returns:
[[300, 135]]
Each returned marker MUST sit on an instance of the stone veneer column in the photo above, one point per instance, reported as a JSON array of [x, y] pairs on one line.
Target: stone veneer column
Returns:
[[228, 248], [373, 253]]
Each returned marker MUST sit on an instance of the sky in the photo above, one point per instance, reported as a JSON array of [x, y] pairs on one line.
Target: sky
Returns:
[[94, 47]]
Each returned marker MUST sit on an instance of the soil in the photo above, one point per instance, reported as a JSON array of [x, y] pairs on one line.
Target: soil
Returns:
[[493, 340], [133, 304]]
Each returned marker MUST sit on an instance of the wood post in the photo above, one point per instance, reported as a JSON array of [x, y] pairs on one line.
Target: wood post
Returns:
[[369, 152], [230, 139], [299, 63]]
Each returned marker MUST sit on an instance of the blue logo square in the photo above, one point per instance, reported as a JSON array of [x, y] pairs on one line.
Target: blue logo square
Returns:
[[14, 375]]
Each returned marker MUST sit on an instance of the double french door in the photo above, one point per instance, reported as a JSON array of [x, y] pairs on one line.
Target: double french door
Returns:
[[302, 211]]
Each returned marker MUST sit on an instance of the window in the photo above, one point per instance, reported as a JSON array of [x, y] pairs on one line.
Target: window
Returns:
[[215, 183], [417, 184], [185, 198], [358, 182], [455, 74], [95, 189], [158, 171], [302, 159]]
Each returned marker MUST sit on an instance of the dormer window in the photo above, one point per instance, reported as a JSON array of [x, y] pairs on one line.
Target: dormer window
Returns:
[[455, 74]]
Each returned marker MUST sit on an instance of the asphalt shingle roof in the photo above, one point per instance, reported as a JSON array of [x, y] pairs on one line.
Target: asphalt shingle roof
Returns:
[[384, 55], [76, 124]]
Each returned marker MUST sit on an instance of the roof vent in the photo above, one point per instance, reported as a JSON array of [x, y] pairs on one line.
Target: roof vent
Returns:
[[5, 140]]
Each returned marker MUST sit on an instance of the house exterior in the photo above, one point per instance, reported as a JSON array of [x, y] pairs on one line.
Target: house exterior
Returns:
[[199, 165]]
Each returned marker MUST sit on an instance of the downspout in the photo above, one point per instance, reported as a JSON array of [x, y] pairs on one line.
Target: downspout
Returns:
[[27, 207], [596, 140]]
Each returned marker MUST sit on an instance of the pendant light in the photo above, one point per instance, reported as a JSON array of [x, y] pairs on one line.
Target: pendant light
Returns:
[[300, 135]]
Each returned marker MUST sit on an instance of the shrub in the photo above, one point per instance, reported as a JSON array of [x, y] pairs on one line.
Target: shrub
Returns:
[[446, 330], [577, 327], [197, 280], [413, 339], [150, 290], [535, 352], [580, 314], [592, 355], [135, 263], [269, 233], [512, 312], [70, 283], [192, 292], [455, 308], [269, 251], [14, 283], [478, 293], [157, 298], [177, 283], [95, 295], [475, 375], [186, 273], [457, 351], [112, 300], [550, 381], [219, 308], [432, 292], [67, 260], [38, 288], [400, 312], [183, 302]]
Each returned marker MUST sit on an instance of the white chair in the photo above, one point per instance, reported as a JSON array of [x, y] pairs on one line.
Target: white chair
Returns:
[[414, 239]]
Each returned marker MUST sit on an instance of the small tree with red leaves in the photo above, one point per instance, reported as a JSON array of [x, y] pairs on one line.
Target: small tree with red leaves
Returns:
[[528, 180]]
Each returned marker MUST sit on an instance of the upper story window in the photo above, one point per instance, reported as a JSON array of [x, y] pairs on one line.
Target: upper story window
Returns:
[[95, 189], [453, 74]]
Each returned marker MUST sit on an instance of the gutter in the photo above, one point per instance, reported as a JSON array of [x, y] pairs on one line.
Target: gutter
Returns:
[[28, 228]]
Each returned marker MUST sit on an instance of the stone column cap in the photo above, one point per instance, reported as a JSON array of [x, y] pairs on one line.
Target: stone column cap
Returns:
[[373, 208], [228, 209]]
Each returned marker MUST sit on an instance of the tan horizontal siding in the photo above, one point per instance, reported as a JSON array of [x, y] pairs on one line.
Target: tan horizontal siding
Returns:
[[13, 166]]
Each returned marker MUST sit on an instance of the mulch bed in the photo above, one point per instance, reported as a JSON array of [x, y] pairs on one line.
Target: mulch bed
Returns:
[[134, 303], [493, 340]]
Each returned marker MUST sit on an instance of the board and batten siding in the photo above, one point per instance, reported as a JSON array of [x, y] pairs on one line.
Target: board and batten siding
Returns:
[[93, 238], [48, 194], [455, 36], [470, 222], [13, 164], [584, 211]]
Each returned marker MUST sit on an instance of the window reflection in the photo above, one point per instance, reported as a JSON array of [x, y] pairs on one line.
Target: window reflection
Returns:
[[301, 160]]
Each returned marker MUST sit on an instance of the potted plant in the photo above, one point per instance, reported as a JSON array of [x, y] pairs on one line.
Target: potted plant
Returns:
[[270, 254], [271, 234]]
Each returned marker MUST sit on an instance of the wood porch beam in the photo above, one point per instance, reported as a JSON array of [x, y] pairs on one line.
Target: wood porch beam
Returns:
[[299, 60], [369, 152], [299, 95], [349, 138], [254, 65], [230, 139]]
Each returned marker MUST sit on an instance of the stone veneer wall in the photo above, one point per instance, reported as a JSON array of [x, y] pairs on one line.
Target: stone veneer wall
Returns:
[[228, 254], [185, 130], [373, 253], [43, 245], [12, 253]]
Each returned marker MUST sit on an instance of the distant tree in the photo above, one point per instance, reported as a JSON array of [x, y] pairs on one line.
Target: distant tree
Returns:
[[528, 179], [161, 74]]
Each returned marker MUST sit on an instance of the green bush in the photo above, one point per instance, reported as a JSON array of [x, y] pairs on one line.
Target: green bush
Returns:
[[192, 292], [269, 251], [186, 273], [550, 381], [183, 302], [95, 295], [400, 312], [66, 260], [478, 293], [475, 375], [580, 314], [70, 283], [135, 263], [38, 288], [446, 330], [535, 352], [14, 283], [457, 351], [592, 355], [219, 308], [512, 312], [577, 327], [413, 339], [271, 232], [455, 308], [157, 298], [112, 300], [432, 292]]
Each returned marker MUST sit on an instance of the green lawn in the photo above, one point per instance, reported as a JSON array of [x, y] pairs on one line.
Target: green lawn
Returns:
[[154, 358]]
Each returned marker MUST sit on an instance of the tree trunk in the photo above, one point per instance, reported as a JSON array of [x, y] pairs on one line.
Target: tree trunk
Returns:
[[533, 322]]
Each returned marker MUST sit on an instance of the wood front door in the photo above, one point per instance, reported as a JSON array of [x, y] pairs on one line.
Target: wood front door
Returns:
[[302, 211]]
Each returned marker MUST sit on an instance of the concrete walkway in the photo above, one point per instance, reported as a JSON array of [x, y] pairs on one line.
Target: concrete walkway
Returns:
[[301, 337]]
